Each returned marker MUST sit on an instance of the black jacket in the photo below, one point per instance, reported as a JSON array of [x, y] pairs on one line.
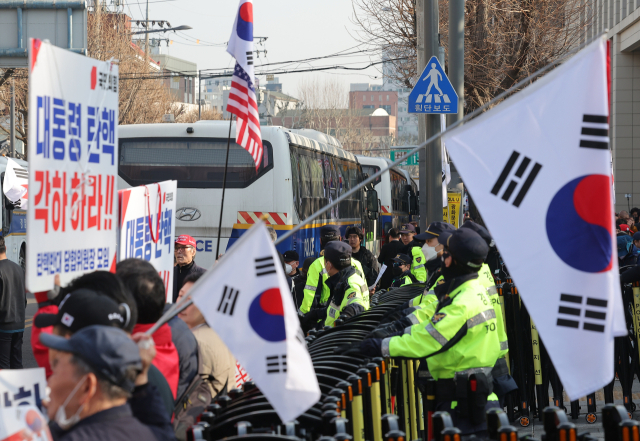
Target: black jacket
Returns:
[[387, 253], [369, 264], [299, 281], [115, 424], [187, 346], [13, 296], [180, 273]]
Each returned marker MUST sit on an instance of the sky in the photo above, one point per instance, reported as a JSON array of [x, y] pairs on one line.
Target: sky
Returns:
[[295, 30]]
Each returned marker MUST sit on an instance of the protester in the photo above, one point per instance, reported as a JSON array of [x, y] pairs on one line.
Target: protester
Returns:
[[185, 253], [13, 303], [624, 215], [300, 280], [386, 256], [147, 288], [369, 264], [292, 258], [187, 347], [94, 374], [218, 364], [626, 256], [415, 225], [632, 225]]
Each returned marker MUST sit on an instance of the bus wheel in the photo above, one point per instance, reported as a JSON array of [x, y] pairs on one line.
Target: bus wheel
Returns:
[[22, 259]]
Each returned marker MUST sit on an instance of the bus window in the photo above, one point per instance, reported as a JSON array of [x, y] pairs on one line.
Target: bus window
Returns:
[[193, 162], [371, 170], [398, 195]]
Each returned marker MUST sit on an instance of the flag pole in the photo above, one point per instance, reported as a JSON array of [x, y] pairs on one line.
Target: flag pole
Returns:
[[471, 115], [224, 186]]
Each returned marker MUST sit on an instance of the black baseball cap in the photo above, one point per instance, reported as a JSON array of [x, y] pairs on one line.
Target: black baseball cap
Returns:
[[338, 251], [330, 232], [83, 308], [107, 350], [636, 236], [465, 245], [403, 259], [407, 228], [482, 231], [291, 256], [434, 229]]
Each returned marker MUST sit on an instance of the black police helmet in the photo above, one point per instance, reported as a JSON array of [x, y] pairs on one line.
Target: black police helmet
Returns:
[[466, 246]]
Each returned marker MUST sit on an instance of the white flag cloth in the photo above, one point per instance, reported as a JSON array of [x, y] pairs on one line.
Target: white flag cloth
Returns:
[[446, 168], [246, 300], [241, 41], [16, 183], [538, 165]]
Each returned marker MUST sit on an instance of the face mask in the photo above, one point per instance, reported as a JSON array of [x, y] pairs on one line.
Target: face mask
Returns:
[[61, 415], [430, 253], [396, 270], [287, 268]]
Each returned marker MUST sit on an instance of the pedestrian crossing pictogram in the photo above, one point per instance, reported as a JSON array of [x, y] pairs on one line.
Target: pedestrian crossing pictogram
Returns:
[[277, 364], [433, 92], [519, 181], [595, 132], [265, 266], [592, 315]]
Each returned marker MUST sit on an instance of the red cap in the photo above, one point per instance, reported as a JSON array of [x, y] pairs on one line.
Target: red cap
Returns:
[[185, 239], [624, 227]]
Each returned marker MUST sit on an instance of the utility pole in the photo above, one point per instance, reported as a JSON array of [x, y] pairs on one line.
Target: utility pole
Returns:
[[456, 54], [430, 158], [12, 121], [199, 96], [146, 38]]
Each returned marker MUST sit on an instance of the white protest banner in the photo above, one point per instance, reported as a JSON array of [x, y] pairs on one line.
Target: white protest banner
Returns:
[[22, 387], [147, 229], [73, 165], [24, 423], [16, 183]]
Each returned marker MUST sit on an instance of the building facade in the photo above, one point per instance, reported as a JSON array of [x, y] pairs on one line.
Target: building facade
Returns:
[[374, 99], [182, 79]]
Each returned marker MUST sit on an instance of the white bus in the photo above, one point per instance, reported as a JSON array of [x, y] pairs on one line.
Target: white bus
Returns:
[[301, 171], [14, 222]]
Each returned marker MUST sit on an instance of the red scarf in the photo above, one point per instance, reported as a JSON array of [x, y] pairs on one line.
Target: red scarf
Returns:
[[166, 360]]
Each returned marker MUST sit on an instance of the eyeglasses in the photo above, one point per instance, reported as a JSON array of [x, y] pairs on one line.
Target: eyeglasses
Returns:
[[182, 249]]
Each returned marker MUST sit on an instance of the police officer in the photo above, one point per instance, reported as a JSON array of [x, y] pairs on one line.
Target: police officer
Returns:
[[414, 249], [402, 271], [460, 342], [344, 282], [315, 290]]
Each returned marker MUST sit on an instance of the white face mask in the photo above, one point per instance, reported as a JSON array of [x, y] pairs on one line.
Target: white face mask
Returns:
[[430, 253], [61, 415], [287, 268]]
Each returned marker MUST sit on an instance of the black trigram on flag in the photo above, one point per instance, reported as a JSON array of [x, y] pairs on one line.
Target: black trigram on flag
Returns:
[[264, 266], [276, 364], [21, 173], [595, 132], [249, 58], [518, 179], [228, 300], [592, 315]]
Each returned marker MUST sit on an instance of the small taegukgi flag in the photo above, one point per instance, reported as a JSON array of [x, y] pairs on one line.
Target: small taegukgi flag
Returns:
[[242, 96], [255, 316], [542, 158]]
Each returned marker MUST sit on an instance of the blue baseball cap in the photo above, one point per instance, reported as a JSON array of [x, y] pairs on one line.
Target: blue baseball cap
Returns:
[[107, 350], [636, 236], [465, 245], [337, 251], [330, 232], [482, 231], [434, 230]]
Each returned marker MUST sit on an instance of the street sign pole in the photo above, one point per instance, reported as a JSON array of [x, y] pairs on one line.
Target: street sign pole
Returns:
[[456, 54], [12, 121], [422, 120], [433, 163]]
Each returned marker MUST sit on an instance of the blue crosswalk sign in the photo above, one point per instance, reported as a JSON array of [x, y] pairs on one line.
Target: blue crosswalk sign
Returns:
[[433, 93]]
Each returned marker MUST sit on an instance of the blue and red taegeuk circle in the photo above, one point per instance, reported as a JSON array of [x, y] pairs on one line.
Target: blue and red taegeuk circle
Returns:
[[579, 224], [266, 315], [245, 22]]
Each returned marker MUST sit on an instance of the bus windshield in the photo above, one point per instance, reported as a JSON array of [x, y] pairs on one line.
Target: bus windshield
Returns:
[[193, 162]]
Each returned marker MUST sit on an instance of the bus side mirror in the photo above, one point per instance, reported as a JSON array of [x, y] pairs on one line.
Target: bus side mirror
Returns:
[[413, 204], [372, 201]]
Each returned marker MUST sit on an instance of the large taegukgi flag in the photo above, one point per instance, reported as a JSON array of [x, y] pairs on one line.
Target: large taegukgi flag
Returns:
[[246, 300], [538, 167], [242, 96]]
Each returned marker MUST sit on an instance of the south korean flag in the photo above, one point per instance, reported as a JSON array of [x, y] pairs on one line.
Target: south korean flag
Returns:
[[246, 300], [538, 167]]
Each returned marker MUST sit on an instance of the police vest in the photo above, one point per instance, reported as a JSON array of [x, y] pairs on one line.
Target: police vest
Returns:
[[486, 279], [353, 294], [417, 265], [318, 274], [462, 334]]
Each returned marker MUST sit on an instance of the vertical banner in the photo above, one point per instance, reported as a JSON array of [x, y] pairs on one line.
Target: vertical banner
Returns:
[[73, 165], [147, 229], [22, 387], [451, 213]]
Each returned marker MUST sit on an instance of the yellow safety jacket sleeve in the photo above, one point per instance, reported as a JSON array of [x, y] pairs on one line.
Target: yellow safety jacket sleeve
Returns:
[[417, 265], [425, 310], [314, 277], [415, 301], [360, 272], [486, 279], [352, 295]]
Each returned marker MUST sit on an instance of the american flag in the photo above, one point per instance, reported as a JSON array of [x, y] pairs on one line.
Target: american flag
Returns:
[[242, 103]]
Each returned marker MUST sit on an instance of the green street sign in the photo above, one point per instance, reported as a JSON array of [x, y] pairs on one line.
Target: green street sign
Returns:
[[411, 160]]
